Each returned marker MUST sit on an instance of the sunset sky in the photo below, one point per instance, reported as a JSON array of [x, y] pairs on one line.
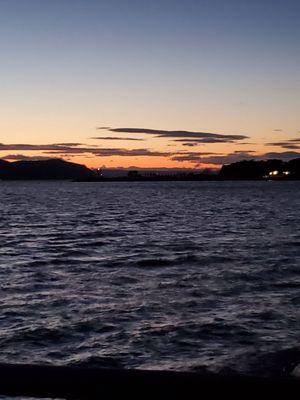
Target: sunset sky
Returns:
[[160, 83]]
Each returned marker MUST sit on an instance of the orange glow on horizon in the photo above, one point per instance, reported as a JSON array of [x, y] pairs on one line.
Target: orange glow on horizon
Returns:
[[138, 162], [149, 144]]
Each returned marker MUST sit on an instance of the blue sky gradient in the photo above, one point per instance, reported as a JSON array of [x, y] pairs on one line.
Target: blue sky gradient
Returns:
[[207, 65]]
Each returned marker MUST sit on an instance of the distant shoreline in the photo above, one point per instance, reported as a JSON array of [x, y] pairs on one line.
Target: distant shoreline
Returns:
[[57, 169], [187, 179], [158, 179]]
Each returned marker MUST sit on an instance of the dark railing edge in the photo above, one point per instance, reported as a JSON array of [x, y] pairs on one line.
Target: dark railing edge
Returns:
[[85, 383]]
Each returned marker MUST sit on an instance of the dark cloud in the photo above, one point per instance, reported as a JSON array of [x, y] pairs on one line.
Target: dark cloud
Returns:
[[41, 147], [276, 143], [285, 156], [206, 140], [196, 153], [244, 151], [235, 157], [292, 144], [277, 130], [129, 153], [30, 147], [73, 150], [68, 144], [191, 156], [180, 134], [23, 157], [195, 142], [116, 138]]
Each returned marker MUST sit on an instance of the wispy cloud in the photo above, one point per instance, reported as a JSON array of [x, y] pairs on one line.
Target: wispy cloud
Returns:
[[42, 147], [104, 152], [116, 138], [23, 157], [292, 144], [206, 140], [129, 153], [199, 158], [189, 144], [69, 144], [285, 156], [191, 156], [195, 157], [31, 147]]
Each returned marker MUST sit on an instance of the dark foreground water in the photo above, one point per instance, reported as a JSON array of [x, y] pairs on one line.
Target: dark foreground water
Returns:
[[151, 275]]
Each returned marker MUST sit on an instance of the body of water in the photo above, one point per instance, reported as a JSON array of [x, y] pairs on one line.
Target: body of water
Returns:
[[164, 275]]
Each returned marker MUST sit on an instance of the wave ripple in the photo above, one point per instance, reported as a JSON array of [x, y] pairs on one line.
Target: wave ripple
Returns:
[[181, 275]]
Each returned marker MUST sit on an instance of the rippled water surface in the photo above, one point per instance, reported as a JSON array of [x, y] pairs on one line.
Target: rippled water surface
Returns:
[[149, 275]]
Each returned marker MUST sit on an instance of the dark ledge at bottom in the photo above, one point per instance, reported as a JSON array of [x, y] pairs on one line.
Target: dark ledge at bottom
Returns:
[[94, 383]]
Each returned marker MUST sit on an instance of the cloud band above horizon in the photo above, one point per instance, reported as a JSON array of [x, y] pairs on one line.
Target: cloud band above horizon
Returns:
[[205, 137]]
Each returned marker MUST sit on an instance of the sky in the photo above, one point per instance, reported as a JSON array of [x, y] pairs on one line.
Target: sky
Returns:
[[160, 83]]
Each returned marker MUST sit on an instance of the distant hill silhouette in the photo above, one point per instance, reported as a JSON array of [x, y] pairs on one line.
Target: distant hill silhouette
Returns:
[[43, 169], [60, 169], [256, 170]]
